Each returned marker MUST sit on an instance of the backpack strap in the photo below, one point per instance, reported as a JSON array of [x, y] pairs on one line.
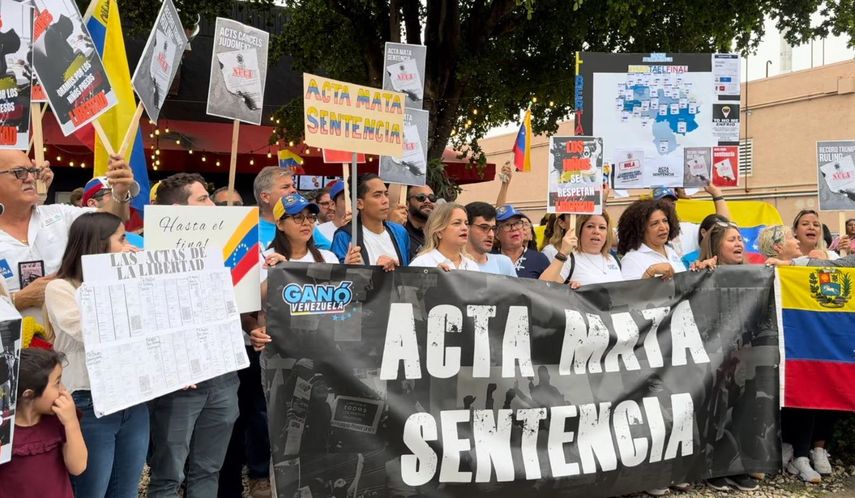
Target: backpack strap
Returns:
[[572, 267]]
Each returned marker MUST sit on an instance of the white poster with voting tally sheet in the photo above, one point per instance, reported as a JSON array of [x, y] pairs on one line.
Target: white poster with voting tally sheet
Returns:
[[154, 322]]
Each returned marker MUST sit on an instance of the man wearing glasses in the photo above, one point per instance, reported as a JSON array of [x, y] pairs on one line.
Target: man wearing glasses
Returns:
[[511, 236], [326, 206], [33, 236], [420, 203], [482, 231]]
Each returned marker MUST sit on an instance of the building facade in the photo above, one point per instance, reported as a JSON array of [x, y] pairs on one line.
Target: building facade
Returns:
[[782, 118]]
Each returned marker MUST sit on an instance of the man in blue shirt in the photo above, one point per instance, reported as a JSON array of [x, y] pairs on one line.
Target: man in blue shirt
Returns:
[[482, 230], [271, 184]]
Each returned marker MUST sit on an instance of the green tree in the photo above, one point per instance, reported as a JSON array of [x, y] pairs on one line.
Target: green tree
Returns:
[[487, 60]]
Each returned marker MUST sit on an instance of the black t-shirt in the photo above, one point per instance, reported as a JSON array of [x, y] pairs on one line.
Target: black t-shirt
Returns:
[[531, 264]]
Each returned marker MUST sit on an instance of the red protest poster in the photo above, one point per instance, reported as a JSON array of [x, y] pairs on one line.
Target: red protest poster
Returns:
[[341, 156], [725, 170]]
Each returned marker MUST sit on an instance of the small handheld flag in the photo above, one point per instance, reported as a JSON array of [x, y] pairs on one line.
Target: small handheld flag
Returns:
[[522, 146], [289, 160]]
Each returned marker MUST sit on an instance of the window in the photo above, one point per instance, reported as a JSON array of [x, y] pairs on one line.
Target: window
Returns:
[[746, 157]]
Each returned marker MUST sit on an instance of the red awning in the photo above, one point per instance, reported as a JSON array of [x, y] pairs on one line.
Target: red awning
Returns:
[[199, 147]]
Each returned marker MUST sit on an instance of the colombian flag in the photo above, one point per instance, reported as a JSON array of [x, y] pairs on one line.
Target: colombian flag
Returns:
[[102, 21], [522, 146], [751, 217], [816, 314], [290, 160]]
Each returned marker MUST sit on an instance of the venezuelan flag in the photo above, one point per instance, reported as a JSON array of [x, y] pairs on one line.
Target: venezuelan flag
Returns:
[[522, 146], [290, 160], [241, 252], [816, 309], [751, 217], [105, 27]]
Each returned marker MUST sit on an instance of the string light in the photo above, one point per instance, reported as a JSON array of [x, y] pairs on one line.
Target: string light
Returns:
[[178, 142], [157, 163], [534, 99], [551, 103], [269, 155], [475, 111], [155, 168], [152, 157], [166, 130], [44, 149], [71, 163], [82, 165], [291, 143], [204, 159], [252, 162], [157, 152], [157, 132], [190, 152], [151, 135], [218, 162], [58, 158]]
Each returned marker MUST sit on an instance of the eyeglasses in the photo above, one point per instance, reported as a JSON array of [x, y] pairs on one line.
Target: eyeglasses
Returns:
[[326, 204], [423, 197], [526, 223], [485, 227], [301, 218], [226, 203], [510, 227], [22, 172]]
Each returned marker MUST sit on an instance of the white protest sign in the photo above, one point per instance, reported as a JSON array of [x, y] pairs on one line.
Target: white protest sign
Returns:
[[160, 60], [231, 230], [156, 321]]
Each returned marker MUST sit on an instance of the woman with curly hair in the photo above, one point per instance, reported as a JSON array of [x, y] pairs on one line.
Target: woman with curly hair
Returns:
[[645, 230]]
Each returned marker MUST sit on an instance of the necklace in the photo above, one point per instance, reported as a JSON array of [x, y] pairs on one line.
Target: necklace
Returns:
[[601, 266]]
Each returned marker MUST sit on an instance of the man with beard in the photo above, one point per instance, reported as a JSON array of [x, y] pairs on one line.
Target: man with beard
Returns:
[[482, 231], [420, 203]]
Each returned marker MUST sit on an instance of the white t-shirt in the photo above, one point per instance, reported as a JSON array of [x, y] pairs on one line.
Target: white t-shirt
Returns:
[[378, 244], [549, 251], [47, 236], [635, 263], [328, 230], [687, 241], [592, 269], [435, 258], [308, 258]]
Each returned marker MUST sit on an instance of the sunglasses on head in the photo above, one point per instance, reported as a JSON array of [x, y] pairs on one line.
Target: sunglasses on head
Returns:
[[423, 197]]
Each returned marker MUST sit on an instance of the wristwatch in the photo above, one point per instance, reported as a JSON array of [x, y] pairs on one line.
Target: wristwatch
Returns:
[[561, 256]]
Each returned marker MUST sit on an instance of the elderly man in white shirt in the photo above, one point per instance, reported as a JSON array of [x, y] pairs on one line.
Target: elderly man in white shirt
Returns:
[[32, 236]]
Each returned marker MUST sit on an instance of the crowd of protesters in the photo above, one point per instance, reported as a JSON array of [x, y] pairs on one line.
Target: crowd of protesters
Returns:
[[180, 435]]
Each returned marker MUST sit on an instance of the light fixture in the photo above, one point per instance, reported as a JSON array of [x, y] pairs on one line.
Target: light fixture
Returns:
[[252, 162], [218, 162], [204, 159]]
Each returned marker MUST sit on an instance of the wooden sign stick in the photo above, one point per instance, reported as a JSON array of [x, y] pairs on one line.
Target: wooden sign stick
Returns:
[[38, 143], [102, 135], [841, 227], [233, 160], [132, 130]]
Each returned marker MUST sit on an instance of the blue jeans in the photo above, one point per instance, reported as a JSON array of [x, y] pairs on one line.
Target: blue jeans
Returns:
[[192, 426], [117, 446]]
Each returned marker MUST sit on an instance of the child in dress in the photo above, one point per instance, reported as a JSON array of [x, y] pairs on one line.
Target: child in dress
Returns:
[[47, 443]]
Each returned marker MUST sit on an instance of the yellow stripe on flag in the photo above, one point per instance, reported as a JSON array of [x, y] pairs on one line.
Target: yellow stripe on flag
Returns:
[[805, 288], [240, 232], [117, 120], [743, 213]]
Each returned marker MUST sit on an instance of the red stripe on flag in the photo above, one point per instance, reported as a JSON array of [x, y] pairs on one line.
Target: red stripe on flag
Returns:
[[823, 385], [249, 260]]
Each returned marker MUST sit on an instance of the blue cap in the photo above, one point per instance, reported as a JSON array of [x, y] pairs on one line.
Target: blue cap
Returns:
[[336, 189], [663, 192], [293, 204], [507, 212]]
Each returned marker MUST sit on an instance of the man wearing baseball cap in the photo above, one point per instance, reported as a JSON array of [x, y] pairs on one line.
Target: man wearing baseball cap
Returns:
[[509, 232], [687, 242]]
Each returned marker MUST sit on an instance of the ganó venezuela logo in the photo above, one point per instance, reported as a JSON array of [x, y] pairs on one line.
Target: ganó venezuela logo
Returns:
[[318, 299], [830, 288]]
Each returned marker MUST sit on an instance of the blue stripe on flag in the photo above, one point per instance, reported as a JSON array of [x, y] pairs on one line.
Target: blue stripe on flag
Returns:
[[819, 335], [99, 34]]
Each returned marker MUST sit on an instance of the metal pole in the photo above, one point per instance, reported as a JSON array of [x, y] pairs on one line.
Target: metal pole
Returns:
[[353, 211]]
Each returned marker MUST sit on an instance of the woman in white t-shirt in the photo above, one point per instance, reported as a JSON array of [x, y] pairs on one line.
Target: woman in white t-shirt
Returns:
[[295, 222], [446, 234], [808, 230], [645, 231], [589, 262]]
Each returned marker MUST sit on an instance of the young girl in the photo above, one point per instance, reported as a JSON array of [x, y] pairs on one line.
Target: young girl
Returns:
[[121, 438], [48, 444]]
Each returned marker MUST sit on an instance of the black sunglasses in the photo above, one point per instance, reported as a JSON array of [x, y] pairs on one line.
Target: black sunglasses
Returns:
[[423, 197]]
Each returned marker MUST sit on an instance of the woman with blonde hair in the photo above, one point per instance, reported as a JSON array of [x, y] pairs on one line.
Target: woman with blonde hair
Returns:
[[588, 261], [808, 229], [552, 241], [446, 234]]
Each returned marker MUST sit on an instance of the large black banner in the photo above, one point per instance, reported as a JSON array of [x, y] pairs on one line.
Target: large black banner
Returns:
[[423, 383]]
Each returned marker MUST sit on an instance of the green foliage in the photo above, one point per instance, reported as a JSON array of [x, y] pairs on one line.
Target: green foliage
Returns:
[[487, 60]]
